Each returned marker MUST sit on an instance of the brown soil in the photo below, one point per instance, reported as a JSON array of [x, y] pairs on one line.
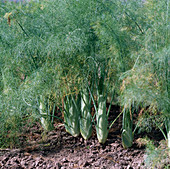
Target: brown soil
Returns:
[[57, 149]]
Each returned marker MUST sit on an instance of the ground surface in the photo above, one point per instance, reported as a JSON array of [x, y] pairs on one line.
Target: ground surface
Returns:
[[58, 149]]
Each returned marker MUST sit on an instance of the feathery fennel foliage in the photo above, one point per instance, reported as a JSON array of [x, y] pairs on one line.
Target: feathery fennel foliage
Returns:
[[57, 48]]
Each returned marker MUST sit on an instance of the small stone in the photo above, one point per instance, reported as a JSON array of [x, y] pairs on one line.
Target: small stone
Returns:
[[48, 166], [64, 160], [129, 167], [36, 163], [63, 168], [22, 163], [26, 154]]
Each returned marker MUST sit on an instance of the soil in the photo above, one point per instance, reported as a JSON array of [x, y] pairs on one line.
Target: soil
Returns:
[[57, 149]]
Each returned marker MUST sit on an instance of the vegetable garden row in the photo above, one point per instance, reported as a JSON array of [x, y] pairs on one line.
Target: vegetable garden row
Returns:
[[75, 55]]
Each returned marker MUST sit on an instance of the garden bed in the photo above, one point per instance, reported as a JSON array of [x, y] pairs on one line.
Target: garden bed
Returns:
[[58, 149]]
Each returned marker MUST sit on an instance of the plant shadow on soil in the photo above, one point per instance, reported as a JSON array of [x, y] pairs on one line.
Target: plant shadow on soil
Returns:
[[58, 149]]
